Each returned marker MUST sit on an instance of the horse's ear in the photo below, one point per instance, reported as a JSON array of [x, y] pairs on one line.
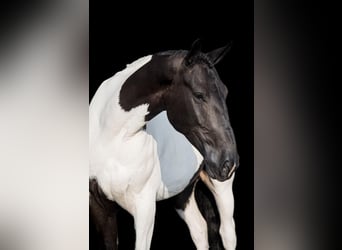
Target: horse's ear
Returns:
[[216, 55], [195, 48]]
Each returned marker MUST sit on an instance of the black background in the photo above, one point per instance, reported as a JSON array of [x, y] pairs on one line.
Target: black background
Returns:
[[121, 34]]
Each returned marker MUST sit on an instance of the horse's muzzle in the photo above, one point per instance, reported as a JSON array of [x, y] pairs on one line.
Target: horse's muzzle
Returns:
[[222, 173]]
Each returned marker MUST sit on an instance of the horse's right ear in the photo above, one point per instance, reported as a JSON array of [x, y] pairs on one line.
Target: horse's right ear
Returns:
[[216, 55], [195, 49]]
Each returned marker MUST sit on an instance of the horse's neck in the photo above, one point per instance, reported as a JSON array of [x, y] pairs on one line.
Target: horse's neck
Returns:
[[106, 115], [148, 85]]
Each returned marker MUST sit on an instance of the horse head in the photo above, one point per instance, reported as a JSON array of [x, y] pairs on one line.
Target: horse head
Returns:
[[195, 103]]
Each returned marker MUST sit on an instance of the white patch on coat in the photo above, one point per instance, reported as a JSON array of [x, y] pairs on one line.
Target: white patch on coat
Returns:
[[196, 223], [123, 157], [179, 160], [223, 194]]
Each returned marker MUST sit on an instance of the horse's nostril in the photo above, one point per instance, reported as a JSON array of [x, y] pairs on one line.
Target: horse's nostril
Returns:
[[228, 164], [225, 170]]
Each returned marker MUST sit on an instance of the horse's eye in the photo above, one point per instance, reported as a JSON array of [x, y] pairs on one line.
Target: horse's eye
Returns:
[[199, 96]]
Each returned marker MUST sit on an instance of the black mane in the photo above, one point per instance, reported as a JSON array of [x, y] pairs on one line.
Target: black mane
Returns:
[[200, 58]]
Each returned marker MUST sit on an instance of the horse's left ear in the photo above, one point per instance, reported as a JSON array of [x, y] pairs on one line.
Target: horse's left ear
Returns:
[[216, 55], [195, 49]]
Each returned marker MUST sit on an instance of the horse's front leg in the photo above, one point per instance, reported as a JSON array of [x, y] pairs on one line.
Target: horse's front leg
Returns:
[[187, 209], [144, 215], [223, 194], [103, 215]]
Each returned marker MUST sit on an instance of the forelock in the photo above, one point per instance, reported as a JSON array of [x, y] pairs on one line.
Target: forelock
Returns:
[[201, 58]]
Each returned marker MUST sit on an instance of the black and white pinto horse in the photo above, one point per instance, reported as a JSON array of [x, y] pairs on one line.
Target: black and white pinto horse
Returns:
[[156, 128]]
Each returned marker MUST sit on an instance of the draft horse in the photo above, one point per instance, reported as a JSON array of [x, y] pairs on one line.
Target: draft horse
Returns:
[[134, 165]]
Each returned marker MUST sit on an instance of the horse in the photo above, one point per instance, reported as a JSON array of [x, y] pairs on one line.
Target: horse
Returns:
[[125, 168]]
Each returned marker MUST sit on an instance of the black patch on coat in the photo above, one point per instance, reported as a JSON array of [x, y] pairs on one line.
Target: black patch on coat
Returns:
[[207, 205], [146, 86]]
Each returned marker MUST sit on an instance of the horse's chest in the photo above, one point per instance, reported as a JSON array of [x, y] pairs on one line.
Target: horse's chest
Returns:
[[126, 166], [178, 159]]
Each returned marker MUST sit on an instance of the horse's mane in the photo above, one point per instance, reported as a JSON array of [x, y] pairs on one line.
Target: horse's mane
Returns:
[[172, 53], [196, 59]]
